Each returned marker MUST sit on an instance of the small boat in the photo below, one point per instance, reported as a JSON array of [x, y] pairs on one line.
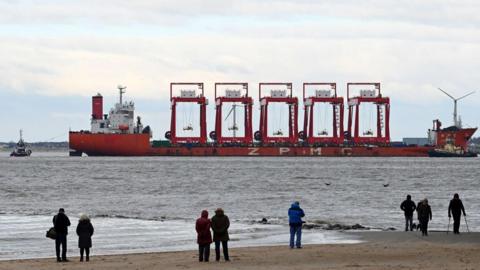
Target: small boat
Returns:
[[443, 153], [21, 149], [450, 151]]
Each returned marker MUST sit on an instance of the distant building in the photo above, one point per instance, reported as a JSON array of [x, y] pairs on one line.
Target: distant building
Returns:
[[473, 147], [415, 141]]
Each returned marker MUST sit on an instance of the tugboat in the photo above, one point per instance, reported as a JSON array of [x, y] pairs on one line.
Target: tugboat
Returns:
[[451, 151], [21, 148]]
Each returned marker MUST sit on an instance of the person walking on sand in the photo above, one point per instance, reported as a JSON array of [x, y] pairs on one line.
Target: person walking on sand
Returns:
[[295, 214], [61, 223], [424, 215], [220, 225], [204, 236], [408, 207], [455, 209], [419, 226], [84, 232]]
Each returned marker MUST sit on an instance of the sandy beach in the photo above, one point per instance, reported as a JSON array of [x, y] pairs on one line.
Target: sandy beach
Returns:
[[380, 250]]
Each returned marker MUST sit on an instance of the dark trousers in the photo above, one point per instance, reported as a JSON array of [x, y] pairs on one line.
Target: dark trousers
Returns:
[[203, 252], [408, 222], [61, 240], [296, 230], [424, 226], [225, 250], [87, 253], [456, 224]]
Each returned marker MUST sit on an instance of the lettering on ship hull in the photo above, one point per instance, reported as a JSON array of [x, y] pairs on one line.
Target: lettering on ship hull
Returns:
[[316, 151], [347, 151], [253, 151]]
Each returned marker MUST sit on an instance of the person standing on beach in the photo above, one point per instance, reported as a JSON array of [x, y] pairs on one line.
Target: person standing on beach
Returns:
[[408, 207], [204, 236], [295, 214], [61, 223], [455, 209], [424, 215], [84, 232], [220, 225]]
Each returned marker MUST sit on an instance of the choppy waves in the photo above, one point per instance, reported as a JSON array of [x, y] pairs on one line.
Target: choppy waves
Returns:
[[335, 193]]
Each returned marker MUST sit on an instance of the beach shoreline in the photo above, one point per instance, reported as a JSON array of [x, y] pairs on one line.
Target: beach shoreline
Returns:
[[379, 250]]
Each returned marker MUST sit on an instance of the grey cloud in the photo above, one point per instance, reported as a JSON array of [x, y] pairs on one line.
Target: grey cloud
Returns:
[[462, 13], [403, 53]]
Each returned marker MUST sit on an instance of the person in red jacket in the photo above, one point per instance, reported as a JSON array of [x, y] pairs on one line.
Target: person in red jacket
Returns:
[[204, 236]]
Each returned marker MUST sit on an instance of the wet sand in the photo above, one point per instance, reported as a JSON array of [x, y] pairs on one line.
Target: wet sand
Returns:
[[381, 250]]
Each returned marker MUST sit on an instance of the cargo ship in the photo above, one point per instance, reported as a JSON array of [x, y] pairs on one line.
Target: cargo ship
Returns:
[[118, 134]]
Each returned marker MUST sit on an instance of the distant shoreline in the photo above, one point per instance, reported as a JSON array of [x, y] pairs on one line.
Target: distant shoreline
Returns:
[[37, 146]]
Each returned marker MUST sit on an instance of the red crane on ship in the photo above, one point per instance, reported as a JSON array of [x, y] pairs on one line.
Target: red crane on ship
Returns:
[[372, 96], [188, 95], [277, 96], [237, 97], [328, 96]]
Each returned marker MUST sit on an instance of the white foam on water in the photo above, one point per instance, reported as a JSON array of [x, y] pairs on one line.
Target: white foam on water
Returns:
[[24, 236]]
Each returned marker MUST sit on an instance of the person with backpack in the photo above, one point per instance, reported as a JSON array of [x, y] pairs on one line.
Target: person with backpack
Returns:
[[295, 214], [61, 224]]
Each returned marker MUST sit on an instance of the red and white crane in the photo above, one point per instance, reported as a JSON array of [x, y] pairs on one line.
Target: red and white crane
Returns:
[[381, 136], [326, 96], [189, 93], [236, 96], [279, 96]]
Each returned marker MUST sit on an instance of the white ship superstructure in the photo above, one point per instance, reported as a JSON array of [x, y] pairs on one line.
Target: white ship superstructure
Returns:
[[120, 118]]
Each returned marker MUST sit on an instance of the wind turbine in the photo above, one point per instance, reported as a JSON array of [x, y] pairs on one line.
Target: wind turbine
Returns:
[[456, 122], [234, 128]]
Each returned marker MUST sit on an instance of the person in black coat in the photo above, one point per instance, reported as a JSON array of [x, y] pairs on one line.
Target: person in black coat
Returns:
[[84, 232], [455, 209], [220, 224], [408, 206], [424, 215], [61, 223]]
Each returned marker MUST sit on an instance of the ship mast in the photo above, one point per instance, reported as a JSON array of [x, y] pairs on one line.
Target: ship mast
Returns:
[[456, 121], [122, 91]]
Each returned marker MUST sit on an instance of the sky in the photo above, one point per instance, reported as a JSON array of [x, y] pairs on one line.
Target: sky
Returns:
[[56, 54]]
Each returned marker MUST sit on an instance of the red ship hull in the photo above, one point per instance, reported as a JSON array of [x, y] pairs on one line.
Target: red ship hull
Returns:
[[139, 145]]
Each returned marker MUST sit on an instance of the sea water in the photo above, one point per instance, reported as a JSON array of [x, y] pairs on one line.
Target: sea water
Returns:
[[143, 204]]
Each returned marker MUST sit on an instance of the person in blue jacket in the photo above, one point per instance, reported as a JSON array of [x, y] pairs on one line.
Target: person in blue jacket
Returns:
[[295, 214]]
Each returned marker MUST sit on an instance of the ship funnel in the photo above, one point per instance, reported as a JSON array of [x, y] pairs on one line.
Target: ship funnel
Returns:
[[97, 107]]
